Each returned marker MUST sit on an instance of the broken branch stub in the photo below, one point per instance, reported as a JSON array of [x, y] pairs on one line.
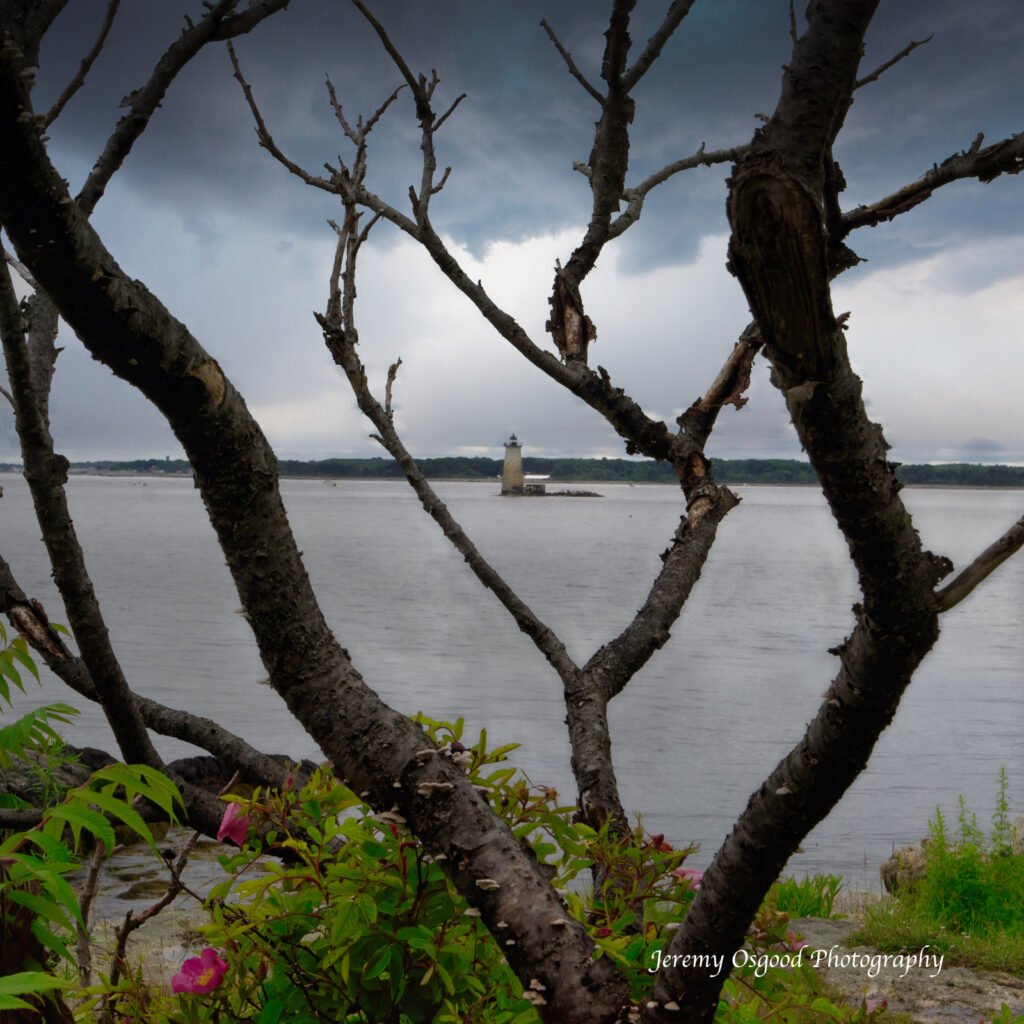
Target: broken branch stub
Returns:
[[571, 328]]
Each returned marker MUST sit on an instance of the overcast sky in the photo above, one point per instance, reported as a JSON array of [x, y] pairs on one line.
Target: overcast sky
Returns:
[[240, 251]]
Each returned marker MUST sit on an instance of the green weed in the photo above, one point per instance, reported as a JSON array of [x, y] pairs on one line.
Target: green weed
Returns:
[[970, 904]]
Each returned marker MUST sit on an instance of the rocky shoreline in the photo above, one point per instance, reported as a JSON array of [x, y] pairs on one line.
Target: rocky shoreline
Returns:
[[950, 995]]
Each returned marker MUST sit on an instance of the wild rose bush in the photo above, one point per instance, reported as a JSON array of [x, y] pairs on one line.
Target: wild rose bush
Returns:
[[359, 924], [200, 975]]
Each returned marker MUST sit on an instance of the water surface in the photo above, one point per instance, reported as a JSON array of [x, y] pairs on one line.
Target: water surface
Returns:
[[694, 733]]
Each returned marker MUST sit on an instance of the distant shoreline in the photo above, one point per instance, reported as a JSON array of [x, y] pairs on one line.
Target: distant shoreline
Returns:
[[562, 471]]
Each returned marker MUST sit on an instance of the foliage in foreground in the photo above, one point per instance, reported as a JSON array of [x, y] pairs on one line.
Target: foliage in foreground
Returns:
[[970, 903], [329, 911], [359, 924], [39, 910]]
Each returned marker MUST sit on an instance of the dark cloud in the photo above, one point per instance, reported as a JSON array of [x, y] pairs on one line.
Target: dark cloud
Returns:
[[524, 121], [240, 250]]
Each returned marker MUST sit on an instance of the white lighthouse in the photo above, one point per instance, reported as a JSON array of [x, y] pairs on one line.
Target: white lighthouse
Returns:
[[512, 472]]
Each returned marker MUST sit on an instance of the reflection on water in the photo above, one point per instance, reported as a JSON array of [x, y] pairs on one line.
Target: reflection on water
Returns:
[[694, 733]]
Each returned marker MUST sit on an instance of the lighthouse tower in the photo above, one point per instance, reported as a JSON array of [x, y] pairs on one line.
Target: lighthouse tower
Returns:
[[512, 473]]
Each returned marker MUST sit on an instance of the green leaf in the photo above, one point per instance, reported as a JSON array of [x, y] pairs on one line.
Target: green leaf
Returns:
[[417, 937], [119, 809], [61, 890], [13, 1003], [446, 979], [32, 732], [378, 964], [8, 670], [271, 1012], [79, 817], [41, 907], [54, 850], [19, 649], [51, 941], [145, 781]]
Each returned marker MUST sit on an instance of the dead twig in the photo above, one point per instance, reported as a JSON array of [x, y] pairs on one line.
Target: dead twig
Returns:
[[882, 68], [570, 63], [83, 943], [679, 10], [78, 81], [392, 374]]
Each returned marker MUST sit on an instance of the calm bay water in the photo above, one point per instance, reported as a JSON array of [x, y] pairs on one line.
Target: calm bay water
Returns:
[[694, 733]]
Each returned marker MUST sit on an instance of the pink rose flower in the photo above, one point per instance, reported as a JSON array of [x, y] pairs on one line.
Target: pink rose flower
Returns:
[[201, 973], [691, 875], [234, 825]]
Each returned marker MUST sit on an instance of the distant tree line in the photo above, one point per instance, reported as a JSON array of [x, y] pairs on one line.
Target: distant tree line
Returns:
[[730, 471]]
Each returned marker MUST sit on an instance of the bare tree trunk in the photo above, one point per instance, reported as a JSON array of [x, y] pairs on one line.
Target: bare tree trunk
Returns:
[[780, 252], [373, 747]]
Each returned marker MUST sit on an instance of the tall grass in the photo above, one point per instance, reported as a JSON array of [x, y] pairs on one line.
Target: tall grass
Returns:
[[970, 903]]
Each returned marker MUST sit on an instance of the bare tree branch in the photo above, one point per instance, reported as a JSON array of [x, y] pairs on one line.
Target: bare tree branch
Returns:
[[202, 732], [570, 63], [22, 271], [676, 12], [392, 374], [423, 92], [267, 141], [83, 945], [357, 136], [987, 562], [777, 208], [440, 121], [416, 85], [45, 473], [636, 196], [371, 745], [727, 388], [614, 664], [641, 433], [610, 667], [586, 705], [231, 25], [143, 102], [135, 920], [78, 81], [608, 163], [1004, 157], [881, 69]]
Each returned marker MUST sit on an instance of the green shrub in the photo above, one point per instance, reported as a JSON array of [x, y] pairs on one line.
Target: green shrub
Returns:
[[38, 905], [806, 897], [970, 903], [973, 884], [363, 925]]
